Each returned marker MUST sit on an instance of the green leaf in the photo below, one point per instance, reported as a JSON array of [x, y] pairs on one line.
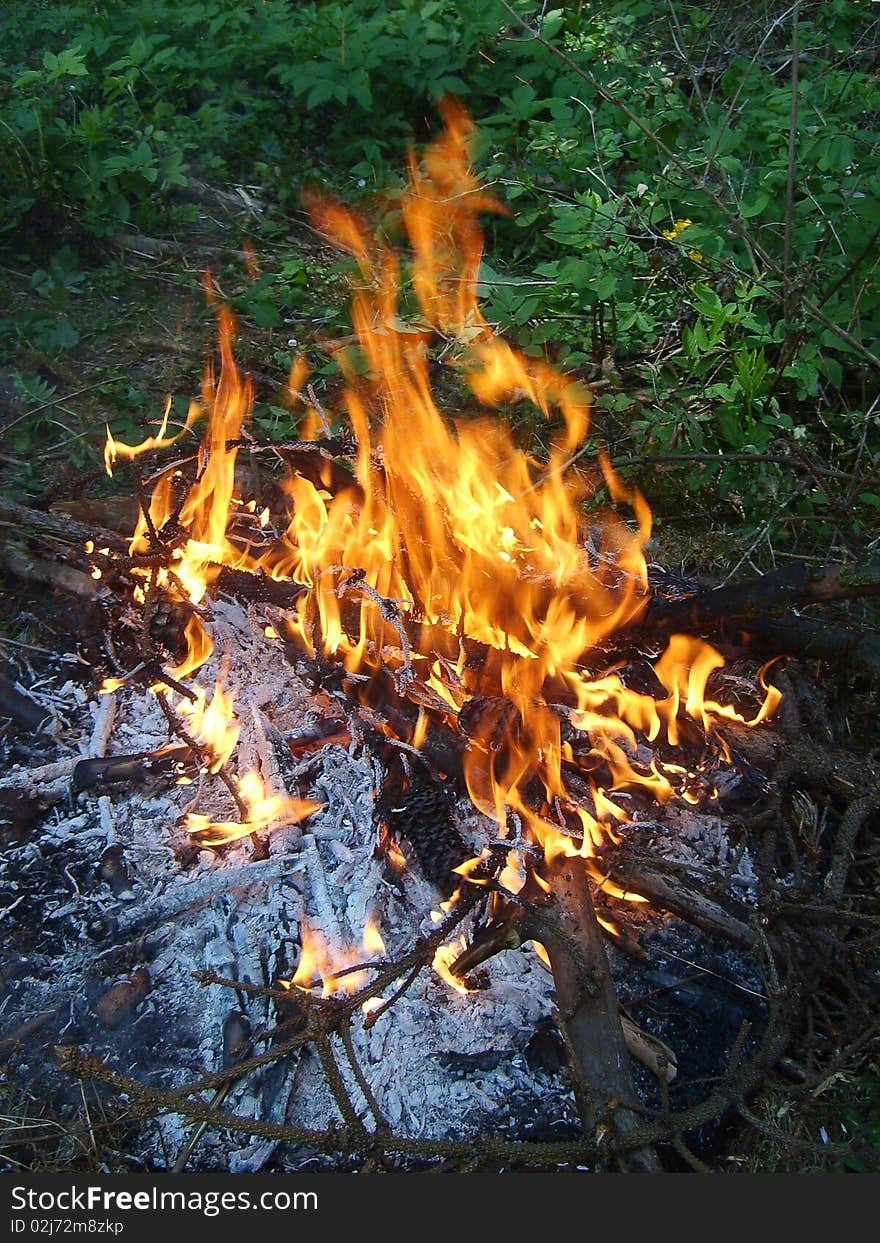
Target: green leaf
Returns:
[[320, 93], [753, 204], [31, 75], [605, 285], [576, 273], [831, 369], [72, 63], [838, 153], [732, 431], [707, 302], [552, 23]]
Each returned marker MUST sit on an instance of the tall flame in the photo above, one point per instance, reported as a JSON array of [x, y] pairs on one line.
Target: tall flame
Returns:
[[450, 523]]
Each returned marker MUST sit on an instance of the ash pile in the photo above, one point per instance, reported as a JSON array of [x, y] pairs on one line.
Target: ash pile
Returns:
[[161, 959]]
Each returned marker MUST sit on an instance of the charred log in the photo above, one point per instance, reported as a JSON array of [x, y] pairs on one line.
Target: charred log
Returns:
[[856, 651]]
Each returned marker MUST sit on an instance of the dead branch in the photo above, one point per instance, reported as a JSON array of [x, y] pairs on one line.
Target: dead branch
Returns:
[[23, 564], [768, 596], [672, 894], [56, 528], [854, 650], [589, 1013]]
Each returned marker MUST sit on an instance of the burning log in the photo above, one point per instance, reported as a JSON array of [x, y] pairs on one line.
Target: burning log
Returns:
[[810, 638], [770, 595], [671, 893], [758, 611]]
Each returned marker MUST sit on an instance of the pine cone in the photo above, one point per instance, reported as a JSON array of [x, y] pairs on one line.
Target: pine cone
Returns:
[[421, 810]]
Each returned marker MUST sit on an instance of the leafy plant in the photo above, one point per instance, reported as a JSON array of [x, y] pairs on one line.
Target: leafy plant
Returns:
[[671, 234]]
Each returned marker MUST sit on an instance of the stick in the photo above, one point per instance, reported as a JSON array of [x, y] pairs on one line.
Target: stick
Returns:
[[673, 895], [589, 1013]]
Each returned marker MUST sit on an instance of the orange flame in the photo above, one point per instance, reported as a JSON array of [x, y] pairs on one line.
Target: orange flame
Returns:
[[443, 960], [331, 965], [451, 533]]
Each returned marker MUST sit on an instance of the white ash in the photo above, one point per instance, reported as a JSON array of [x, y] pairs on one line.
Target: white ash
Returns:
[[700, 840], [440, 1064], [241, 917]]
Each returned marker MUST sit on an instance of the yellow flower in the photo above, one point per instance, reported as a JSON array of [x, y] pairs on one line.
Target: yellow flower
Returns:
[[678, 227], [696, 255]]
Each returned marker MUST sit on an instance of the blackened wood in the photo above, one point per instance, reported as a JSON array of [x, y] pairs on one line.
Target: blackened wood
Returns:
[[669, 893], [35, 524], [854, 650], [100, 771], [257, 588], [769, 595], [19, 707]]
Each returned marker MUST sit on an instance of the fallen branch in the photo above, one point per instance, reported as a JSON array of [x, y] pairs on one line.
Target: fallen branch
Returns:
[[671, 894], [589, 1013], [56, 528], [769, 596], [854, 650]]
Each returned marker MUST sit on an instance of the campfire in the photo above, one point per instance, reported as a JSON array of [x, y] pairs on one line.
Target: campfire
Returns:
[[427, 745], [449, 578]]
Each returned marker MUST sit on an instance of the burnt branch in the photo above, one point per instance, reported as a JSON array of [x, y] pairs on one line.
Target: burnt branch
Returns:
[[590, 1015], [771, 595]]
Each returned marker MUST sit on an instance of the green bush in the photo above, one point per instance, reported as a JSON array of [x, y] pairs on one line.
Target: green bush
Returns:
[[652, 236]]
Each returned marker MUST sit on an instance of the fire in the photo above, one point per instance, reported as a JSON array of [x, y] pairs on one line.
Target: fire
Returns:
[[450, 533], [335, 968], [443, 960], [213, 723], [114, 449], [373, 942]]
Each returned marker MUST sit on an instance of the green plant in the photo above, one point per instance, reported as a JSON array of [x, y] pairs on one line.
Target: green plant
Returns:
[[677, 232]]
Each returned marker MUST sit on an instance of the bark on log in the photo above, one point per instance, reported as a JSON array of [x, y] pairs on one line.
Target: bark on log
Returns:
[[23, 564], [770, 595], [589, 1012], [854, 650], [34, 524], [669, 893]]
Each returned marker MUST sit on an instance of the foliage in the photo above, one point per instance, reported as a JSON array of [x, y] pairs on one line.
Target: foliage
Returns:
[[664, 241]]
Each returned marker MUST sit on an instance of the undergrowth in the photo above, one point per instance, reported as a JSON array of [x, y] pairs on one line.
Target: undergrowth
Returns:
[[693, 195]]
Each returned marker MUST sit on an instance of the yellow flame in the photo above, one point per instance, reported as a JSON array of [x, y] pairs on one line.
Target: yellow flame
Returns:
[[443, 959], [115, 449], [372, 942], [455, 525], [264, 811], [327, 965], [540, 950]]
